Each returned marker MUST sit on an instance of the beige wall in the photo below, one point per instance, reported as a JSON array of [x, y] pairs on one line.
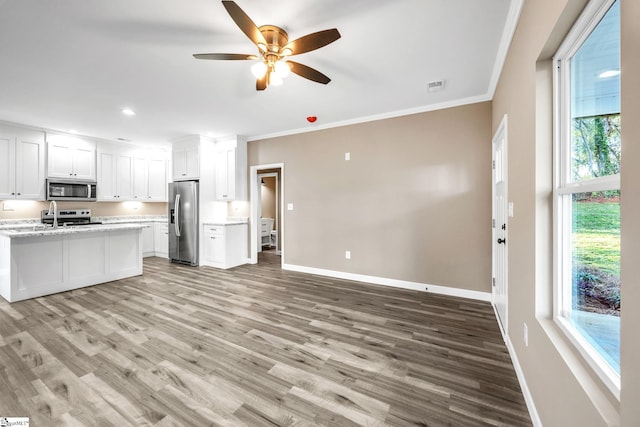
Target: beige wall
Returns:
[[268, 197], [413, 203], [32, 209], [564, 388]]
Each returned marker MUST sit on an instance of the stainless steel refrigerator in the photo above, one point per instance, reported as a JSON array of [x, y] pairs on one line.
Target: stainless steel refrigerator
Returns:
[[183, 222]]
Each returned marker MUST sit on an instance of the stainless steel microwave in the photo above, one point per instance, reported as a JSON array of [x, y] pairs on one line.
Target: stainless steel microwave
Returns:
[[70, 190]]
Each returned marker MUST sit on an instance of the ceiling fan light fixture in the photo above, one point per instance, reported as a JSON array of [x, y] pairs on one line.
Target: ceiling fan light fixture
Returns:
[[259, 69], [262, 47], [286, 51], [275, 79], [282, 69]]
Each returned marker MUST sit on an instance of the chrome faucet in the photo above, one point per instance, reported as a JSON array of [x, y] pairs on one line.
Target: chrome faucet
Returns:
[[53, 206]]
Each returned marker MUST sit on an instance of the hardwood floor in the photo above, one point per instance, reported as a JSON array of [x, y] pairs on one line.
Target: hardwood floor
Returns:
[[255, 345]]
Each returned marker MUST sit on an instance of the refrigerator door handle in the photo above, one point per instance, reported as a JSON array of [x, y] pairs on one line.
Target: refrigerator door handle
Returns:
[[176, 207]]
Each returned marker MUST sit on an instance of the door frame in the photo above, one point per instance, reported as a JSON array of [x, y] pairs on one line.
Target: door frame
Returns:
[[501, 131], [277, 219], [254, 220]]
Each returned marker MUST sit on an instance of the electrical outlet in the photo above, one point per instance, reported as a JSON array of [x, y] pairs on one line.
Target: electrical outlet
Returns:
[[347, 156], [347, 254], [525, 335], [8, 206], [289, 206]]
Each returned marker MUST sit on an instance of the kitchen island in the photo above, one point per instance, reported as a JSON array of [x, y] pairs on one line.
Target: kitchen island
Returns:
[[37, 260]]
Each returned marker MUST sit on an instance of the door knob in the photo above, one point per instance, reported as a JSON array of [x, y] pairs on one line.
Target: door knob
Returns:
[[502, 241]]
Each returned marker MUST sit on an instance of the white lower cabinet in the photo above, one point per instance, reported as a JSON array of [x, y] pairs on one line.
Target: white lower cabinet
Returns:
[[224, 246], [161, 239], [41, 265], [148, 246], [155, 239]]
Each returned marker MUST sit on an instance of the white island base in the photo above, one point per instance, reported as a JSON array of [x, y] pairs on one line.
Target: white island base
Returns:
[[37, 265]]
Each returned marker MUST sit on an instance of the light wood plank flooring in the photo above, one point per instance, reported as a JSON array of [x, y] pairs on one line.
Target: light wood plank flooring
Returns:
[[257, 346]]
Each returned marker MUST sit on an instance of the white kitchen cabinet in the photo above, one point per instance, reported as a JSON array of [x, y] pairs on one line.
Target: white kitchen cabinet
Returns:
[[124, 176], [106, 186], [231, 169], [70, 157], [150, 176], [157, 177], [41, 265], [22, 164], [161, 239], [115, 173], [224, 246], [186, 160], [148, 246], [140, 178], [225, 174]]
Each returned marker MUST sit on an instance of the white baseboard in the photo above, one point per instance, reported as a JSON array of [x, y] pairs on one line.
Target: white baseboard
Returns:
[[526, 393], [442, 290]]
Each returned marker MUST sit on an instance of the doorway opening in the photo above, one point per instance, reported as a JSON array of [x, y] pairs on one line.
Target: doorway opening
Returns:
[[266, 231]]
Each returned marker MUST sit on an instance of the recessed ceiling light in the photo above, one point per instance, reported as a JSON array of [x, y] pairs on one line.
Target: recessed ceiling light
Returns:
[[128, 112], [609, 73]]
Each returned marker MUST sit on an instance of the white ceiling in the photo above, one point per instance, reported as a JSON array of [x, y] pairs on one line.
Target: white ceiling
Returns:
[[74, 64]]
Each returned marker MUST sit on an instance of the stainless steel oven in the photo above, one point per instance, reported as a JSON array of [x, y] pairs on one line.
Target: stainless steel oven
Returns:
[[70, 190]]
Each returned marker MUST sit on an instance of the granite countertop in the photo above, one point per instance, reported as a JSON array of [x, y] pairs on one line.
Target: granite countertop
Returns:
[[34, 230], [30, 227], [227, 221], [129, 219]]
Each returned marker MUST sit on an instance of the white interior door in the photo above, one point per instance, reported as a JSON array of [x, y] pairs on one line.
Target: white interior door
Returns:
[[499, 223]]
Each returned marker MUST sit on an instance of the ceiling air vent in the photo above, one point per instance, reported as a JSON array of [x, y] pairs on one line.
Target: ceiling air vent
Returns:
[[435, 85]]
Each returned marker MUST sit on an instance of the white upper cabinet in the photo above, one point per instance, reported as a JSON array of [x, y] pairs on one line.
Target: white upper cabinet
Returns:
[[115, 173], [150, 176], [125, 174], [22, 164], [186, 160], [71, 158], [106, 185], [157, 177], [140, 177], [226, 174], [231, 169]]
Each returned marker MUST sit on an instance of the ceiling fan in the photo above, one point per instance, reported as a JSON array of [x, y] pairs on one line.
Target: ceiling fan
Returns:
[[274, 48]]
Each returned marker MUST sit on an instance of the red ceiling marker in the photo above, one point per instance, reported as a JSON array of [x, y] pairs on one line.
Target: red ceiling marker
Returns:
[[312, 119]]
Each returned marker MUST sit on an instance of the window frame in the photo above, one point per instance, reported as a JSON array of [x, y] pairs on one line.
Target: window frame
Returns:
[[564, 188]]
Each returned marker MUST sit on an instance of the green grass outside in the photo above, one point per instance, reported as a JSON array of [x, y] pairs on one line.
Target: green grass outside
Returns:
[[596, 237]]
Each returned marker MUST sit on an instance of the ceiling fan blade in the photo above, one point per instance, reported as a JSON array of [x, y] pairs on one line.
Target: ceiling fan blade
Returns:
[[262, 83], [245, 23], [224, 56], [312, 41], [308, 72]]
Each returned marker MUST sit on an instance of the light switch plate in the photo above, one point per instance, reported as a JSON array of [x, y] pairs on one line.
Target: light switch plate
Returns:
[[510, 209], [347, 156], [289, 206]]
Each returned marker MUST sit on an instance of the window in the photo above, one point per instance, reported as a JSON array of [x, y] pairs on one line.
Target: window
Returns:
[[587, 188]]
